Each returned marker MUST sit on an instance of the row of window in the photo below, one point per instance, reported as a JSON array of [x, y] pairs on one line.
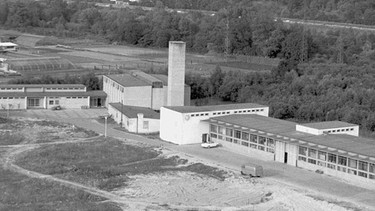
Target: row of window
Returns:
[[227, 112], [243, 138], [65, 88], [10, 88], [76, 97], [10, 98], [340, 130], [337, 162]]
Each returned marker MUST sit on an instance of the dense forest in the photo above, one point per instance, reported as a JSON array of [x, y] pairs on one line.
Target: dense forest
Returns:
[[323, 74]]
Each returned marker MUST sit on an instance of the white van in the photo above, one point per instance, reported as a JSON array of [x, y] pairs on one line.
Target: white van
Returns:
[[252, 170]]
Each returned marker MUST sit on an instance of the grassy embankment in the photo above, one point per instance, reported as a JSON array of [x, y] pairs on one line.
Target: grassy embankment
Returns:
[[21, 193]]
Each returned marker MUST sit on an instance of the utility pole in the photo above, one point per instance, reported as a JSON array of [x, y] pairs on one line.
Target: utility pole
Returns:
[[122, 110]]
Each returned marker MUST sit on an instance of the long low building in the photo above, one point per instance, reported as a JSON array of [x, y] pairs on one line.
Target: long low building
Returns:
[[332, 148], [135, 119], [45, 96]]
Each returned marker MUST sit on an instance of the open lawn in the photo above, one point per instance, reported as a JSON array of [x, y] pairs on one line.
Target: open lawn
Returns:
[[105, 164]]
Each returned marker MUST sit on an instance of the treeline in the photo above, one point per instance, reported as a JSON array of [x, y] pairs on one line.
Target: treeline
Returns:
[[89, 80], [246, 29], [320, 92], [346, 11]]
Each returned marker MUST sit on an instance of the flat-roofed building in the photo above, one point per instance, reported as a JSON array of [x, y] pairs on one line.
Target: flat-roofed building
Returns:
[[187, 125], [340, 153], [45, 96], [135, 119], [137, 88]]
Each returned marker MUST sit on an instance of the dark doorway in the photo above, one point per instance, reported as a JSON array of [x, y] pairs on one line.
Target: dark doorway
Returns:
[[204, 137], [286, 157]]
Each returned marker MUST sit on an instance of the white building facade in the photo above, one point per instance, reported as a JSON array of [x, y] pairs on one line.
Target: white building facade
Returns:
[[46, 96], [340, 154], [188, 125], [135, 119], [139, 89]]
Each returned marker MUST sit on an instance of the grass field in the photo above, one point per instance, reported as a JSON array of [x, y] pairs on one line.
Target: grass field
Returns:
[[106, 164], [14, 132], [20, 193]]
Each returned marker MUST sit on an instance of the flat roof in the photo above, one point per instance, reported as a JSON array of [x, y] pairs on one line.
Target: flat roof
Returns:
[[97, 93], [283, 128], [328, 125], [191, 109], [7, 44], [42, 85], [132, 111]]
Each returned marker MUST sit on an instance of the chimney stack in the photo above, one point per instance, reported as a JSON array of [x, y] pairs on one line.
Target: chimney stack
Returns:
[[176, 73]]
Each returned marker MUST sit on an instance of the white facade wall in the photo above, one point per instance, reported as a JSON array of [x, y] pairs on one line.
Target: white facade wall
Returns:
[[135, 125], [352, 130], [138, 96], [15, 103], [188, 128], [171, 126], [159, 97], [70, 102]]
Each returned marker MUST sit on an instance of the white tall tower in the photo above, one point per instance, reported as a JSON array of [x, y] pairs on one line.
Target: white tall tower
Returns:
[[176, 73]]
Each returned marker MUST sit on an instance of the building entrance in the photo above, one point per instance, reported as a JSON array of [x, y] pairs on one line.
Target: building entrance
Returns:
[[285, 157]]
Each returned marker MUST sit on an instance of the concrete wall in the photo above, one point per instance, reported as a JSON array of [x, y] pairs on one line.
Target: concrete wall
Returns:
[[176, 73]]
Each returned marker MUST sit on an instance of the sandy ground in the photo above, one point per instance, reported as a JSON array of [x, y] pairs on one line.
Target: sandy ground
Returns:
[[180, 189], [234, 193]]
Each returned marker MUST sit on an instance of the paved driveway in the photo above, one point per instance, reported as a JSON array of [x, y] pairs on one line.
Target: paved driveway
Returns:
[[279, 172]]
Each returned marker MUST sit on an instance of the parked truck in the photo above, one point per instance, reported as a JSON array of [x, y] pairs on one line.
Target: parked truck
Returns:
[[252, 170]]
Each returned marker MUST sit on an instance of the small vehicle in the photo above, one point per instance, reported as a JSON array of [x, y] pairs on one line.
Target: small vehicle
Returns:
[[209, 145], [252, 170], [56, 108]]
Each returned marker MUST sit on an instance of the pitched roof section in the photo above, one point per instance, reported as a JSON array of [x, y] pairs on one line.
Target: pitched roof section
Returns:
[[191, 109], [136, 78], [132, 111], [328, 125]]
